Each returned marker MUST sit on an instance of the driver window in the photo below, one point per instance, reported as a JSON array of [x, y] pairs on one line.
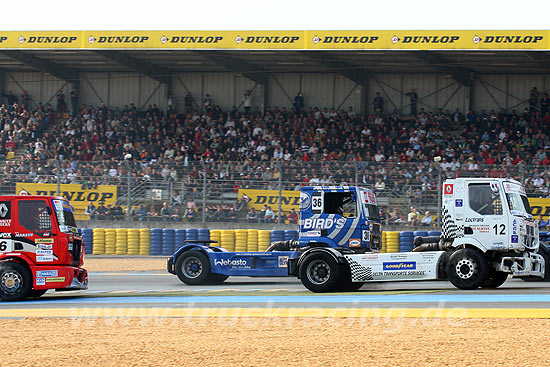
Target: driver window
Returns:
[[483, 200], [342, 203], [33, 215]]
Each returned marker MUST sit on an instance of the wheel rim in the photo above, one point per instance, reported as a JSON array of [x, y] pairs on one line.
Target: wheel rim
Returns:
[[191, 267], [318, 272], [11, 282], [466, 268]]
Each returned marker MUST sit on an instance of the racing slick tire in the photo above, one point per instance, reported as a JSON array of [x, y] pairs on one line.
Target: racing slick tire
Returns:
[[345, 284], [543, 251], [320, 272], [467, 269], [15, 281], [193, 268], [495, 279], [217, 278]]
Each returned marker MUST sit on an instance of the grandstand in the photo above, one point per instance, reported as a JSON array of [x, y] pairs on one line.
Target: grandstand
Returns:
[[194, 128]]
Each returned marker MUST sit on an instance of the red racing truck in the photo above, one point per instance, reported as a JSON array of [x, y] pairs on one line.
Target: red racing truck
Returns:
[[40, 247]]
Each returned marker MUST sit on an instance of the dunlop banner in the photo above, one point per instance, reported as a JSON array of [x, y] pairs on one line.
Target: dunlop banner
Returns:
[[259, 198], [540, 206], [286, 40], [77, 196]]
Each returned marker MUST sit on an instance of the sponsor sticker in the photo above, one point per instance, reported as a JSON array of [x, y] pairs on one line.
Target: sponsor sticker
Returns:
[[5, 222], [44, 258], [46, 273], [312, 234], [401, 265], [366, 235], [283, 261], [55, 279], [24, 234], [43, 240], [305, 200], [238, 263], [44, 252], [354, 242], [515, 238], [448, 189], [458, 203], [44, 246], [40, 281]]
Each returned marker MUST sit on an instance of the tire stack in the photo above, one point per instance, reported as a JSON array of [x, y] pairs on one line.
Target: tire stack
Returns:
[[180, 239], [121, 247], [110, 241], [192, 234], [133, 241], [241, 240], [384, 242], [88, 238], [252, 240], [227, 238], [156, 241], [264, 240], [99, 241], [204, 234], [168, 240], [392, 241], [215, 235], [277, 235], [144, 241], [434, 233], [406, 239], [291, 235]]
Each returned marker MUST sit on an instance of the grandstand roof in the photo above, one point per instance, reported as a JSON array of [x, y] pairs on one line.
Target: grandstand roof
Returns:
[[277, 61]]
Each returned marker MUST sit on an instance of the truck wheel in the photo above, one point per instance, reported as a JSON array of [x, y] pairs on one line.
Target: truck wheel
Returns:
[[495, 279], [345, 284], [320, 273], [467, 269], [217, 278], [193, 267], [36, 293], [544, 253], [15, 281]]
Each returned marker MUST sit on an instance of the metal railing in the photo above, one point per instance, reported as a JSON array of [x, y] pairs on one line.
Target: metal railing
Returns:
[[208, 191]]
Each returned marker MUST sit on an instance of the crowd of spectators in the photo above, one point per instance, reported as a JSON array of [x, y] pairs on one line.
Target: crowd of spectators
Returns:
[[251, 148]]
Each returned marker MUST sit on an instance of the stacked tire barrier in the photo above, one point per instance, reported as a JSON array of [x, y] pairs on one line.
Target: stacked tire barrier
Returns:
[[241, 240], [203, 234], [168, 241], [252, 240], [180, 238], [192, 234], [215, 235], [291, 235], [156, 241], [277, 235], [88, 238], [406, 239], [434, 233], [98, 241], [121, 244], [264, 240], [110, 241], [227, 239], [144, 241], [392, 241]]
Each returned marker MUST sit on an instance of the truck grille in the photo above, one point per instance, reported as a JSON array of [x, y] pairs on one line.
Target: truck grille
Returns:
[[77, 248]]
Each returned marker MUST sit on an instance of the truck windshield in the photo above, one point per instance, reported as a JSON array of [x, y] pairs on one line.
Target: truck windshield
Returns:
[[371, 211], [65, 216], [519, 203]]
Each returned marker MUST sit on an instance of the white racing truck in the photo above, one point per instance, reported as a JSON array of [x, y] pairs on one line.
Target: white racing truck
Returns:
[[488, 234]]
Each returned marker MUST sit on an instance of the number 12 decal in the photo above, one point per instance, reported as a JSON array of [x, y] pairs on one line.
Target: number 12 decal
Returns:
[[502, 229]]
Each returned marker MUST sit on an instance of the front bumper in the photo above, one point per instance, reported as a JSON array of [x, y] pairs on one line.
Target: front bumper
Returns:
[[530, 264], [60, 278], [170, 265]]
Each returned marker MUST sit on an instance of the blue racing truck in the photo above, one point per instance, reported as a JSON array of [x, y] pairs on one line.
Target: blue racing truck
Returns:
[[488, 233], [339, 219]]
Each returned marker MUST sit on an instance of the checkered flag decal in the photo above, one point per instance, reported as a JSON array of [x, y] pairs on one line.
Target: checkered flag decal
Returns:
[[359, 273], [449, 229]]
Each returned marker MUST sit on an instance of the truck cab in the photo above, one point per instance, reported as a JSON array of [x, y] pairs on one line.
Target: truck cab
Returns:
[[40, 247], [339, 217]]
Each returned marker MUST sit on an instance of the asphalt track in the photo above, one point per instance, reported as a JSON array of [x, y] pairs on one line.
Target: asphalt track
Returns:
[[158, 293]]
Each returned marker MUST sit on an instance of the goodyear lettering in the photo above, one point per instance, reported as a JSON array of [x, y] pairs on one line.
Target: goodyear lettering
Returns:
[[350, 39], [271, 39], [55, 39], [2, 39], [399, 265], [123, 39], [192, 39], [430, 39], [512, 39], [323, 223]]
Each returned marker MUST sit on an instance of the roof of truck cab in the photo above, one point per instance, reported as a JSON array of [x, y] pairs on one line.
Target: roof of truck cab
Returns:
[[483, 179], [12, 197], [331, 188]]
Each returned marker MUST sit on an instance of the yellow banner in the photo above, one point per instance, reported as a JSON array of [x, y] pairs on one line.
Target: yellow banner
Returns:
[[77, 196], [259, 198], [286, 40], [540, 206]]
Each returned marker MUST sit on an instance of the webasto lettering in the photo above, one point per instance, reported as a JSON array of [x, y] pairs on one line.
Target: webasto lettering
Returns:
[[430, 39], [271, 39], [239, 262]]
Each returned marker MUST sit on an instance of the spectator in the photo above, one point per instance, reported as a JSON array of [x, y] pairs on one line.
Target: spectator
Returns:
[[533, 100], [61, 105], [247, 102], [292, 216], [252, 216], [299, 102], [412, 217], [543, 224], [269, 215], [544, 105], [189, 215], [175, 216], [207, 103], [414, 100], [188, 103], [90, 210], [176, 199], [101, 211], [378, 104], [165, 211], [141, 213], [426, 219], [75, 104], [117, 213]]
